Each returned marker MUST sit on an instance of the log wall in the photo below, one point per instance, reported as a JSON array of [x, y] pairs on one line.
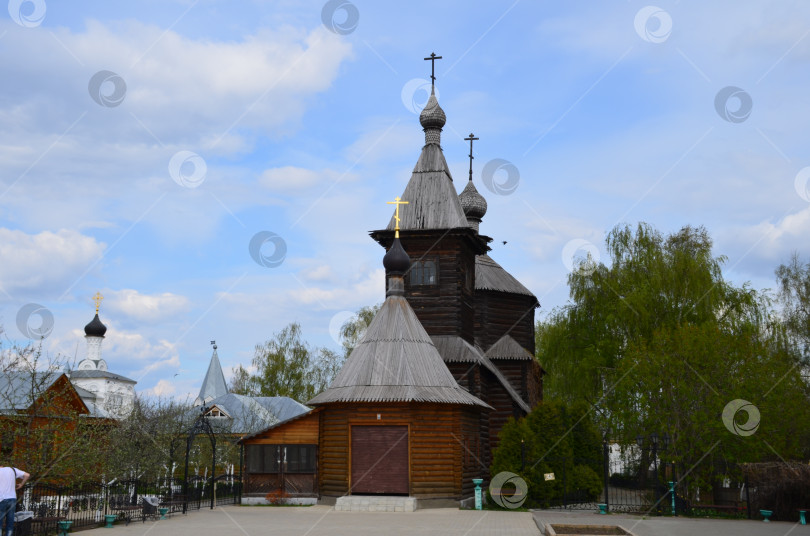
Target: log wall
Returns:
[[499, 313], [435, 443]]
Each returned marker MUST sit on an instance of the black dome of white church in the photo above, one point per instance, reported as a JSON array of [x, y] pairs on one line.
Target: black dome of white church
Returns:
[[416, 409]]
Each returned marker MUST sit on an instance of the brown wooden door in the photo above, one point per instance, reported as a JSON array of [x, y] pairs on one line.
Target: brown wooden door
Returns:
[[380, 459]]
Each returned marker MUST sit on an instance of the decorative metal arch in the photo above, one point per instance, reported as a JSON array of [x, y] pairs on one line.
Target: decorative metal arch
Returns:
[[201, 426]]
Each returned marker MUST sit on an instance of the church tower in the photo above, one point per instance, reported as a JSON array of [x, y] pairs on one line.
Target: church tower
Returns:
[[94, 335], [106, 393], [455, 289], [440, 283]]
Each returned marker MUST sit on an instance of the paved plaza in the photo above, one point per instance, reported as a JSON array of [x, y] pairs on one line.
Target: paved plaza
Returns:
[[325, 521]]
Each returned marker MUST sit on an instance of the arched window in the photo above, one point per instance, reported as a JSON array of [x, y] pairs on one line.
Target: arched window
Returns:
[[423, 273]]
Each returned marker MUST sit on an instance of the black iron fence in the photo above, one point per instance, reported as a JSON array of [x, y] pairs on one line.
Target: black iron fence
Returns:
[[89, 504], [633, 482]]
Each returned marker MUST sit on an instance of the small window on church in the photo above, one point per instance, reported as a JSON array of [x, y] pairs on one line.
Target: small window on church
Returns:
[[423, 273]]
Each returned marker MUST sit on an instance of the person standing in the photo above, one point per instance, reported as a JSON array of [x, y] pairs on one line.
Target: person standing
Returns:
[[9, 485]]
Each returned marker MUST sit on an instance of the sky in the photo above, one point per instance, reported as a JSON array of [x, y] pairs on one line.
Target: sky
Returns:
[[213, 168]]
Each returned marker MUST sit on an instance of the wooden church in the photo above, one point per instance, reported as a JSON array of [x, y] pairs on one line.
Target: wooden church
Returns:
[[416, 408]]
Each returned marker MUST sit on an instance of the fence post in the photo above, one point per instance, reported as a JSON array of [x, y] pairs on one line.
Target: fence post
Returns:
[[565, 485], [747, 497], [606, 472], [522, 456]]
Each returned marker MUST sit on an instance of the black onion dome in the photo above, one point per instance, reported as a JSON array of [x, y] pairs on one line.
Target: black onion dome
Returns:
[[432, 115], [473, 203], [396, 260], [95, 328]]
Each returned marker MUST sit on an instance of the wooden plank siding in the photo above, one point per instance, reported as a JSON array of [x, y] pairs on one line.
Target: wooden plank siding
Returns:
[[299, 431], [436, 444], [499, 313]]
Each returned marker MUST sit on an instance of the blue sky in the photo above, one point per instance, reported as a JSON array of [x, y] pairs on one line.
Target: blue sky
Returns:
[[608, 112]]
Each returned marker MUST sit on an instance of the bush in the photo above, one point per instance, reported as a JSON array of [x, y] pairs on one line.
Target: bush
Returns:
[[587, 482], [558, 439]]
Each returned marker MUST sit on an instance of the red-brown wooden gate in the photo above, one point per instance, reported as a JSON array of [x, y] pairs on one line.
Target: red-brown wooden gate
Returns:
[[380, 460]]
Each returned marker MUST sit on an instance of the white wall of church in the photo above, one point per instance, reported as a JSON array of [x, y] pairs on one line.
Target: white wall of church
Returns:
[[115, 397]]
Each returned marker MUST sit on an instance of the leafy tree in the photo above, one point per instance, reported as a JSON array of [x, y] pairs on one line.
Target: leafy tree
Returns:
[[353, 329], [287, 366], [240, 382], [150, 442], [794, 294], [659, 342]]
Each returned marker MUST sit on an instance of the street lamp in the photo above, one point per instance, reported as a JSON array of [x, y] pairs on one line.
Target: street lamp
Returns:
[[653, 445]]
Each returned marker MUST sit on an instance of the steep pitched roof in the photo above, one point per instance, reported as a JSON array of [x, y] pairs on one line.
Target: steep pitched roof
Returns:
[[508, 348], [454, 349], [213, 385], [395, 361], [489, 275], [432, 200], [20, 389]]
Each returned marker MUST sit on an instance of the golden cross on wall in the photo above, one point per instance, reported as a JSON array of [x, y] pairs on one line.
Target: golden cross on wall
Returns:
[[97, 298], [396, 202]]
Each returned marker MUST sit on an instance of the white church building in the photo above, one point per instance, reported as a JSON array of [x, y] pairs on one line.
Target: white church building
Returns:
[[105, 393]]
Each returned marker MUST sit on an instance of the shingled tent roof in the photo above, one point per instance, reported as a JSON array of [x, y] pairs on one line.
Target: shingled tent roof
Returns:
[[432, 199], [508, 348], [454, 349], [395, 361], [213, 385], [489, 275]]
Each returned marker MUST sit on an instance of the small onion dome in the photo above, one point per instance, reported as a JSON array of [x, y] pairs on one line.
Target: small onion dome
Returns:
[[95, 328], [473, 203], [396, 260], [432, 115]]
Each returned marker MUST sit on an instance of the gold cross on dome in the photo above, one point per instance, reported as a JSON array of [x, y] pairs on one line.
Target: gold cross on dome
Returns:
[[97, 298], [396, 202]]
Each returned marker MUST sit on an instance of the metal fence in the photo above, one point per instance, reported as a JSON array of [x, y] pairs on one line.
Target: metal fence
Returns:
[[87, 504], [634, 482]]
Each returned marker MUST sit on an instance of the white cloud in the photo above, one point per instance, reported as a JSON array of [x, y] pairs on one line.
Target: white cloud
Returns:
[[146, 308], [162, 388], [47, 262]]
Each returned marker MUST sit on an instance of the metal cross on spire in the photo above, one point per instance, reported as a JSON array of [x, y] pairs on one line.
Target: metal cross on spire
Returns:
[[471, 139], [433, 57], [396, 202], [97, 298]]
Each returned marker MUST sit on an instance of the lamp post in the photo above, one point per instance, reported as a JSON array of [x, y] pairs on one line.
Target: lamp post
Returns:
[[201, 425], [606, 465]]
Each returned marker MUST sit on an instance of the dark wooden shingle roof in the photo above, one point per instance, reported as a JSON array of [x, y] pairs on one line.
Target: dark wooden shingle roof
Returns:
[[454, 349], [432, 199], [489, 275], [508, 348]]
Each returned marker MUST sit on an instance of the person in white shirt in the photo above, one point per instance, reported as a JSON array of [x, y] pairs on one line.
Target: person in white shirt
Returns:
[[9, 485]]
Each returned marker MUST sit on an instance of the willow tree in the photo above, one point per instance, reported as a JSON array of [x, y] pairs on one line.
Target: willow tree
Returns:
[[658, 341]]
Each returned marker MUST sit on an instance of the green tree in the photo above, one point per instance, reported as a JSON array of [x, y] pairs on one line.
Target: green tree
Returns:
[[353, 329], [793, 281], [659, 341], [287, 366]]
